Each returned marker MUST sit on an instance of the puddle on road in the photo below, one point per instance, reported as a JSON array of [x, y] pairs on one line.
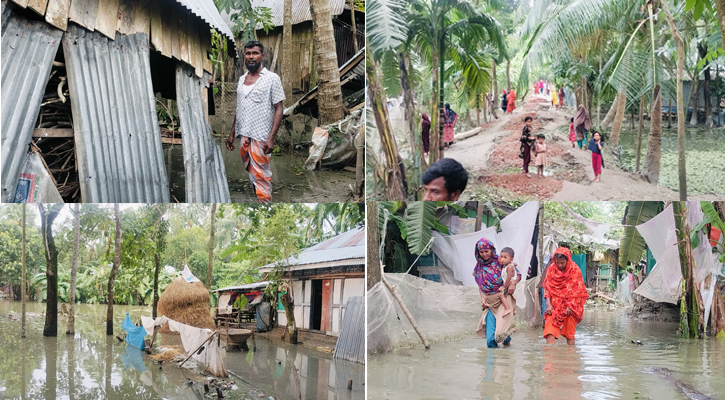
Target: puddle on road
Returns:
[[290, 181], [93, 365], [604, 364]]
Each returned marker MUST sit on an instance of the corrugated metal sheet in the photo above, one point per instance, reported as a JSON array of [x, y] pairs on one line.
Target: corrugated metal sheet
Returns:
[[300, 10], [118, 141], [206, 10], [255, 285], [206, 177], [351, 342], [346, 246], [28, 49]]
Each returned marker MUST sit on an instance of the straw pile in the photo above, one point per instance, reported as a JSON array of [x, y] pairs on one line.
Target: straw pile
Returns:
[[167, 355], [188, 303]]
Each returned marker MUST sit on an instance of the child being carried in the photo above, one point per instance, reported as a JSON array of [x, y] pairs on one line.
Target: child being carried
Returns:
[[509, 276]]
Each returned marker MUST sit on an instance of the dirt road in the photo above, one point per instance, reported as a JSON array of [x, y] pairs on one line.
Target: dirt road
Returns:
[[491, 158]]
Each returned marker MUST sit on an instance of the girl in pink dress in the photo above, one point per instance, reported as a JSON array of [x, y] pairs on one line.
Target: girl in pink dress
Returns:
[[540, 149], [572, 132]]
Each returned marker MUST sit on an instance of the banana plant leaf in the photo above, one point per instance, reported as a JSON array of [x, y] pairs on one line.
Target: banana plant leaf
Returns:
[[632, 244]]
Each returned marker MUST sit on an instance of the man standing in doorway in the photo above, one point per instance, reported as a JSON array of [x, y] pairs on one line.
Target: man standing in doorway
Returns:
[[259, 114]]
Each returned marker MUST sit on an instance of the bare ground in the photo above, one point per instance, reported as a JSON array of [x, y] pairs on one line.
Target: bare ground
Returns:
[[491, 158]]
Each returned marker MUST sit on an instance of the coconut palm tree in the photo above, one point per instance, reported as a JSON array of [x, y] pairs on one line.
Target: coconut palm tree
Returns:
[[328, 75]]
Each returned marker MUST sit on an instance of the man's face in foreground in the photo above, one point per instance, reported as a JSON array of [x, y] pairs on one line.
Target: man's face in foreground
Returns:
[[253, 58], [436, 190]]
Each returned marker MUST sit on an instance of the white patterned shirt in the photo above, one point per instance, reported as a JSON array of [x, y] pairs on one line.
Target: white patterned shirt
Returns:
[[255, 110]]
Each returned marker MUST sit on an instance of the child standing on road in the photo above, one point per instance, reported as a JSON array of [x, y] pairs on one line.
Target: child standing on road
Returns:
[[540, 150], [572, 133]]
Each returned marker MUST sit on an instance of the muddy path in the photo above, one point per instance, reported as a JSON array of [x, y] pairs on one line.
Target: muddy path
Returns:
[[491, 158]]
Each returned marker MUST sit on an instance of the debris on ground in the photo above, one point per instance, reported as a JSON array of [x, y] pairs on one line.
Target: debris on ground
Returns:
[[520, 184], [167, 354]]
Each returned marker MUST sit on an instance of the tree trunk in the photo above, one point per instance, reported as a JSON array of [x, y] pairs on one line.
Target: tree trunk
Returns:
[[669, 113], [51, 270], [329, 94], [351, 4], [617, 125], [74, 269], [396, 186], [373, 244], [508, 75], [690, 323], [114, 271], [287, 62], [610, 115], [651, 167], [680, 103], [434, 138], [495, 84], [720, 6], [702, 48], [694, 92], [441, 96], [360, 164], [157, 267], [22, 277], [415, 141], [640, 128], [289, 309], [212, 216]]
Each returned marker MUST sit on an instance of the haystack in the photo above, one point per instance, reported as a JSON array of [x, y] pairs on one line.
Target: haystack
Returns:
[[188, 303]]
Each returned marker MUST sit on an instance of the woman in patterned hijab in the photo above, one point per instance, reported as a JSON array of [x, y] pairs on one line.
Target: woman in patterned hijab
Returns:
[[494, 325]]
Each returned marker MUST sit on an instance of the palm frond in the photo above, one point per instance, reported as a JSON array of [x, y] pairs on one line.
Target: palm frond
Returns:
[[386, 25]]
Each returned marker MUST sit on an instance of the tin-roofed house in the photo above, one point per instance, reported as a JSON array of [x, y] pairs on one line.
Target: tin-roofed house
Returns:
[[81, 119], [324, 277]]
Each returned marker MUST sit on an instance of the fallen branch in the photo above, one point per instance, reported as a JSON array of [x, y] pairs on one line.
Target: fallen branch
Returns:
[[407, 313], [468, 134]]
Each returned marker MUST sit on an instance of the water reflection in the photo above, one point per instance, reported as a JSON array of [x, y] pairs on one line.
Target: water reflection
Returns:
[[90, 364], [604, 364]]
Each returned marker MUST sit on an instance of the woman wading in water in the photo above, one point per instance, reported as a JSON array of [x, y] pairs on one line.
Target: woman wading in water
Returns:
[[494, 325]]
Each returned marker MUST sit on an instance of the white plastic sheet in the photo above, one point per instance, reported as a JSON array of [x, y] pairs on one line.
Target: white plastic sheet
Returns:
[[664, 283], [457, 251], [319, 142], [703, 252], [188, 276]]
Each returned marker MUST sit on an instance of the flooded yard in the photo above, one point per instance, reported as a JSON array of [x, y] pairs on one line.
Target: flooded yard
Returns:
[[704, 151], [604, 364], [90, 364], [290, 181]]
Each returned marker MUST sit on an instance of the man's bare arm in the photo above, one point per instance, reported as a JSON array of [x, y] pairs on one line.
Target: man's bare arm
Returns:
[[276, 122]]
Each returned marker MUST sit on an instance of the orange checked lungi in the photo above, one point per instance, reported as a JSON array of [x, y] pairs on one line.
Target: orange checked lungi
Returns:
[[258, 166]]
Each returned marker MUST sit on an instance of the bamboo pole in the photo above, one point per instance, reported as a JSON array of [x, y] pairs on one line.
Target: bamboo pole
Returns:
[[407, 313]]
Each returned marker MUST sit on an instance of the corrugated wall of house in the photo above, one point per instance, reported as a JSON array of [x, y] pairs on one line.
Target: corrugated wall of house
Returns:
[[118, 141], [206, 177], [28, 49]]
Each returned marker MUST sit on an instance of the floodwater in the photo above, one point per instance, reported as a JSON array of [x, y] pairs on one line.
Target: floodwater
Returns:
[[290, 181], [604, 364], [93, 365], [703, 157]]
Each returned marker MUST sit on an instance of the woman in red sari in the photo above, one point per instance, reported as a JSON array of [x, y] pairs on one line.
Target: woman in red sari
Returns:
[[565, 295], [511, 102]]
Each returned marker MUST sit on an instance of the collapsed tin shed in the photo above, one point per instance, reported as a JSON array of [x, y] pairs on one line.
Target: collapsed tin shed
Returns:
[[89, 107]]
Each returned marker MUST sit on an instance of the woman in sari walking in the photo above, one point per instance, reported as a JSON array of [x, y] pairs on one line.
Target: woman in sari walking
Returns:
[[582, 124], [450, 122], [511, 102], [565, 295], [494, 325], [425, 133]]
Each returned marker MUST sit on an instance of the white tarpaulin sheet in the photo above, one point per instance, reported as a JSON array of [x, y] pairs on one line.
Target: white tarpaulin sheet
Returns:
[[664, 283], [191, 338], [457, 251]]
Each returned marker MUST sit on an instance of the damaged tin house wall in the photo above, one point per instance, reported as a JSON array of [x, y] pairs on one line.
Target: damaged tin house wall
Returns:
[[115, 134]]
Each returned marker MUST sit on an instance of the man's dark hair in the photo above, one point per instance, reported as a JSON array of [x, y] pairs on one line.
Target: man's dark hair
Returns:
[[508, 251], [451, 170], [254, 43], [528, 118]]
